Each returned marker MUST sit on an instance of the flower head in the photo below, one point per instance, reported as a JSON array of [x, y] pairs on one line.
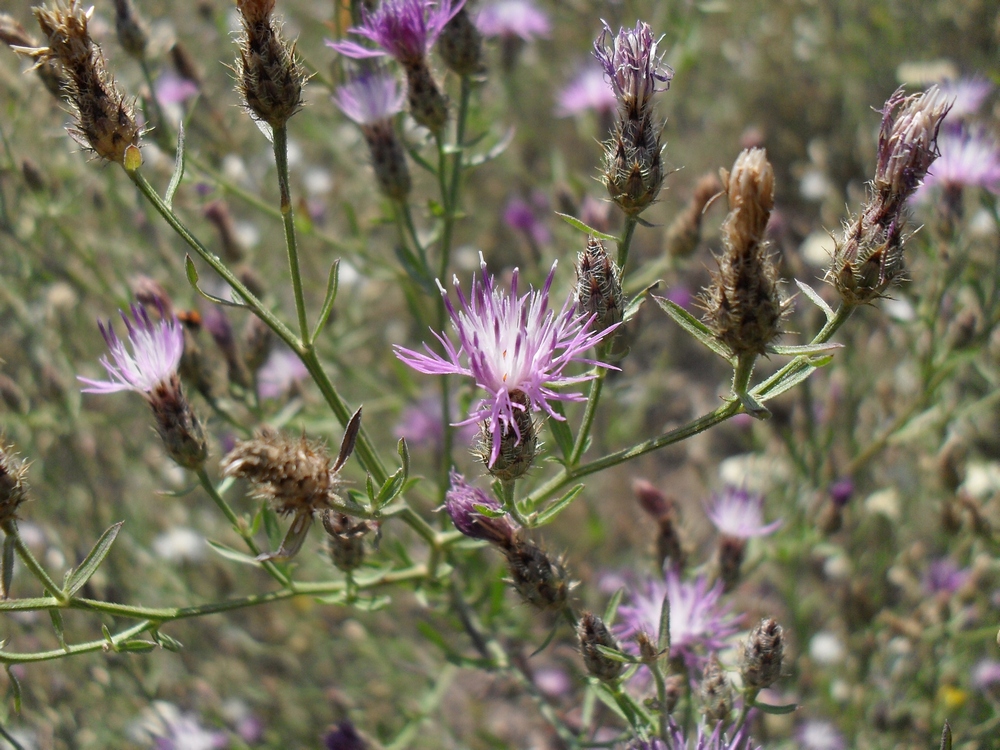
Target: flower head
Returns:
[[968, 159], [820, 735], [461, 502], [702, 740], [588, 90], [510, 18], [967, 96], [370, 98], [944, 576], [155, 356], [516, 348], [740, 514], [632, 66], [697, 623], [282, 371], [403, 29]]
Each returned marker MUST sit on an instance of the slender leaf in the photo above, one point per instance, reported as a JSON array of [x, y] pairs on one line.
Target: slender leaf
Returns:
[[391, 489], [415, 271], [7, 572], [608, 699], [558, 506], [561, 431], [192, 277], [231, 554], [611, 611], [350, 439], [545, 643], [137, 646], [15, 688], [663, 635], [777, 710], [577, 224], [632, 308], [166, 642], [404, 457], [175, 178], [332, 283], [946, 737], [788, 382], [696, 328], [616, 655], [814, 297], [93, 561], [806, 350]]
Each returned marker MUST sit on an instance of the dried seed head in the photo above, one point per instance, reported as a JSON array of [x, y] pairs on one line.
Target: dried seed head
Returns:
[[762, 655], [743, 305], [268, 75], [716, 693], [256, 342], [133, 35], [461, 45], [599, 286], [345, 539], [540, 579], [13, 488], [684, 232], [105, 119], [592, 632], [517, 446]]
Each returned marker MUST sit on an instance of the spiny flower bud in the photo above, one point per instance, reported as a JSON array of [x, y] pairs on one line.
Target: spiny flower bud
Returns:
[[177, 425], [13, 488], [294, 475], [684, 232], [14, 35], [762, 655], [517, 446], [105, 120], [541, 580], [345, 539], [269, 77], [716, 693], [461, 503], [428, 106], [461, 45], [592, 632], [870, 256], [599, 286], [633, 166], [743, 304], [131, 29]]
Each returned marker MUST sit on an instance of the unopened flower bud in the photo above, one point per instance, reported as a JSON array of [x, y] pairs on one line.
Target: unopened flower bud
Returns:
[[461, 503], [599, 286], [592, 632], [648, 651], [684, 232], [461, 45], [133, 35], [256, 342], [428, 106], [177, 425], [633, 165], [676, 686], [731, 552], [13, 488], [345, 539], [269, 77], [540, 579], [716, 693], [743, 305], [762, 655], [518, 444], [669, 545]]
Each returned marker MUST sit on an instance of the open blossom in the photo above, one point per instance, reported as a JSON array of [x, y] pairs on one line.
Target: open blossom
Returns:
[[588, 90], [702, 740], [697, 623], [967, 159], [820, 735], [370, 98], [633, 66], [156, 353], [516, 348], [403, 29], [740, 514], [510, 18], [967, 96]]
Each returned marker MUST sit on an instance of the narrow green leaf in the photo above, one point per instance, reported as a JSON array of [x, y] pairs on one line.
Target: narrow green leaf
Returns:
[[632, 308], [545, 643], [616, 655], [814, 297], [577, 224], [404, 457], [696, 328], [390, 489], [7, 572], [549, 514], [175, 178], [57, 625], [777, 710], [663, 635], [370, 489], [805, 350], [232, 554], [611, 611], [486, 510], [420, 160], [415, 271], [372, 605], [785, 384], [15, 688], [332, 283], [136, 647], [166, 642], [192, 277], [271, 526], [561, 431], [946, 736], [93, 561]]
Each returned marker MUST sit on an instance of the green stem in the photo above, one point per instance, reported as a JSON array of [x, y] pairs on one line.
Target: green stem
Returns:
[[749, 696], [590, 410], [510, 503], [288, 222], [10, 529], [625, 243], [240, 528]]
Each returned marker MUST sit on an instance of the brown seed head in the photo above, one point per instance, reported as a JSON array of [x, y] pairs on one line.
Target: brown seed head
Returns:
[[762, 655], [345, 539]]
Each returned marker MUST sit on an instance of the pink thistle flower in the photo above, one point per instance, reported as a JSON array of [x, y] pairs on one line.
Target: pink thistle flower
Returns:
[[820, 735], [589, 90], [740, 514], [702, 740], [968, 159], [155, 356], [633, 66], [698, 625], [967, 96], [516, 348], [370, 98], [403, 29], [462, 501], [510, 18], [282, 371]]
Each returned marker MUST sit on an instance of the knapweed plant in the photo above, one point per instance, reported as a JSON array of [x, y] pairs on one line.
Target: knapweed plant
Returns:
[[448, 448]]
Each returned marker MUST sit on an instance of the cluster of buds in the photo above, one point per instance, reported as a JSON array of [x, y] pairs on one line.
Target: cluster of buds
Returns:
[[743, 304], [269, 77], [104, 117], [599, 286], [870, 256], [684, 232], [13, 488], [541, 579], [762, 655], [663, 509], [633, 170], [296, 477]]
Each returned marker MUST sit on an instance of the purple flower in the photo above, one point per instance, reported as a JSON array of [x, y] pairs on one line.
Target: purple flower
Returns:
[[986, 676], [461, 502], [740, 514], [370, 98], [510, 18], [697, 623], [282, 370], [172, 89], [156, 353], [820, 735], [967, 96], [589, 90], [516, 348], [344, 737], [521, 215], [403, 29], [632, 66], [841, 491], [702, 740], [944, 576], [172, 730], [968, 159]]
